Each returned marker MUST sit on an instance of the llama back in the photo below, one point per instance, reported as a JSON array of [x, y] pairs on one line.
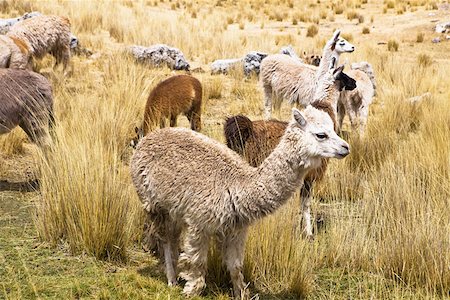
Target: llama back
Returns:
[[288, 78], [43, 33], [158, 176], [175, 95]]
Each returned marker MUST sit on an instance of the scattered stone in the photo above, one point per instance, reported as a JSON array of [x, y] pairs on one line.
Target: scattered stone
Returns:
[[420, 98], [381, 43], [443, 27], [289, 50], [436, 40], [5, 24], [223, 66], [252, 62], [160, 55]]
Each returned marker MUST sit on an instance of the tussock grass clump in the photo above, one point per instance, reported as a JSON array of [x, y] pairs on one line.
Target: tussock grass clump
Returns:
[[365, 30], [312, 31], [12, 143], [419, 38], [424, 60], [392, 45], [212, 89]]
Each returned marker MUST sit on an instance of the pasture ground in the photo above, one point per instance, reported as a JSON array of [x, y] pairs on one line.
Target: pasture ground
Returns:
[[386, 233]]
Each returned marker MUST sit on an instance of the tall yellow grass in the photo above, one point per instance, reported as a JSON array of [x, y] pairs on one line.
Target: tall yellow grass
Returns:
[[385, 206]]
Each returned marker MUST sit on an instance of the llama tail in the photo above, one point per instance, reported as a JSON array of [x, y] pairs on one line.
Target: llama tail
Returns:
[[237, 130]]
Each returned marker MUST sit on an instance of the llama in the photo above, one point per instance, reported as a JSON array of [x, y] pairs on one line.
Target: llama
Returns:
[[356, 103], [26, 101], [256, 140], [311, 59], [171, 97], [38, 36], [187, 181], [288, 79]]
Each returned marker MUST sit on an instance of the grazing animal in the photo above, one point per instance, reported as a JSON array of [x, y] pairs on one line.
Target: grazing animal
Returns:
[[187, 181], [179, 94], [256, 140], [288, 79], [356, 103], [312, 59], [26, 101], [37, 36]]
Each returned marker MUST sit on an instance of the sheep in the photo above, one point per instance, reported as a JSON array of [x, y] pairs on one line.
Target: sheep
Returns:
[[286, 78], [41, 35], [26, 101], [256, 140], [189, 182], [171, 97], [356, 103], [160, 55]]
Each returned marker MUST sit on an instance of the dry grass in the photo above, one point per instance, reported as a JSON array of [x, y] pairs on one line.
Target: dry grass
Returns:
[[385, 206]]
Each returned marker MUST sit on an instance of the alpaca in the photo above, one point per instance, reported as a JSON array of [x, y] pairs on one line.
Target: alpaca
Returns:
[[26, 101], [187, 181], [356, 103], [171, 97], [288, 79], [41, 35], [256, 140], [311, 59]]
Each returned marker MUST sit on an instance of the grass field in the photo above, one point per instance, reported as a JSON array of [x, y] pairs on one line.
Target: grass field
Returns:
[[386, 232]]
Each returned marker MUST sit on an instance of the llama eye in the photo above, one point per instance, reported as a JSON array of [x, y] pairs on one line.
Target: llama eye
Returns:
[[321, 136]]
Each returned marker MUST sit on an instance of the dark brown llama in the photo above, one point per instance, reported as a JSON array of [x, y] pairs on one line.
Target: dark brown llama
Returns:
[[26, 101], [179, 94], [256, 140]]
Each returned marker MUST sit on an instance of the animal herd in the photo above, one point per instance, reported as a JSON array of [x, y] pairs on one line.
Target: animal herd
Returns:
[[192, 187]]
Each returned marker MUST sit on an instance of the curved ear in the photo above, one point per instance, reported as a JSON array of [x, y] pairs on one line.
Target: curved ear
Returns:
[[335, 39], [338, 71], [299, 117]]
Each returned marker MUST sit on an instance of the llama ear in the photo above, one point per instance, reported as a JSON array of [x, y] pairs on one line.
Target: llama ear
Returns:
[[338, 71], [299, 117], [335, 39]]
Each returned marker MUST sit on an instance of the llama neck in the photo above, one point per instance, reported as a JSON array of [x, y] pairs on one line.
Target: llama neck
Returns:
[[328, 92], [274, 181], [328, 56]]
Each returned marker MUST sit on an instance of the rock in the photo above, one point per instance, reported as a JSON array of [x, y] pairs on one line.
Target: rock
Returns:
[[289, 50], [436, 40], [420, 98], [223, 66], [160, 55], [5, 24], [252, 62], [443, 27]]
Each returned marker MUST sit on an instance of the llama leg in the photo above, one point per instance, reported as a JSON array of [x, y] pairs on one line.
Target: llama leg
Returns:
[[233, 248], [173, 121], [193, 262], [362, 118], [341, 115], [170, 271], [162, 122], [305, 195], [267, 102]]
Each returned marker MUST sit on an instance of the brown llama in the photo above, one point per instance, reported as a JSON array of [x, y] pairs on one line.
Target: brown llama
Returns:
[[256, 140], [179, 94], [26, 101]]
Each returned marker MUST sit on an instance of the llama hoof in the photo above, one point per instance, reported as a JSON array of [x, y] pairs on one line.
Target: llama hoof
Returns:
[[194, 287], [172, 282]]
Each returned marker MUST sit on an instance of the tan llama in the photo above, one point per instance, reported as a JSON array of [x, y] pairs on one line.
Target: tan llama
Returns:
[[190, 183], [179, 94]]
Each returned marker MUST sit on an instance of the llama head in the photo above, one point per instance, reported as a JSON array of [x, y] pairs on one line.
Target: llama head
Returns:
[[343, 81], [315, 135], [340, 45], [139, 134], [312, 59]]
